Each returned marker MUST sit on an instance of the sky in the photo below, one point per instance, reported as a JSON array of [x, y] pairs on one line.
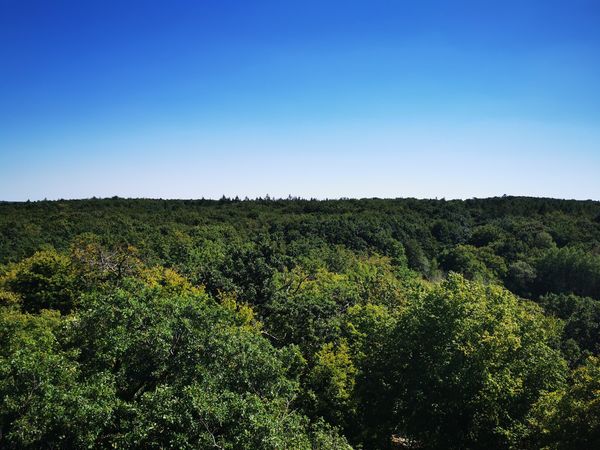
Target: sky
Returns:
[[323, 99]]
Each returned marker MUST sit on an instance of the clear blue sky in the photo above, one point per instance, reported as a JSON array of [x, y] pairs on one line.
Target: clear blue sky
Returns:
[[175, 99]]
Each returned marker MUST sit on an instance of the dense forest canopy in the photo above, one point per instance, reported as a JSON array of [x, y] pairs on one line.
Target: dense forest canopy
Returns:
[[373, 324]]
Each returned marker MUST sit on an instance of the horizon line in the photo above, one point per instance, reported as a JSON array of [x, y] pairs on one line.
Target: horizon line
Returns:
[[290, 197]]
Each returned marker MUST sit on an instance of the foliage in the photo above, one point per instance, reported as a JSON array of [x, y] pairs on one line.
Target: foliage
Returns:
[[468, 362], [144, 367], [582, 323], [46, 280], [570, 418], [301, 324]]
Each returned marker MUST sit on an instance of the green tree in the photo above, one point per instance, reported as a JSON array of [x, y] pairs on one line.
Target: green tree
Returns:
[[331, 383], [569, 419], [46, 399], [568, 270], [46, 280], [475, 263], [468, 362], [581, 335], [148, 366], [306, 308]]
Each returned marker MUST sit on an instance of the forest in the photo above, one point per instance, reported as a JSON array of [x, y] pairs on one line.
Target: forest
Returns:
[[300, 324]]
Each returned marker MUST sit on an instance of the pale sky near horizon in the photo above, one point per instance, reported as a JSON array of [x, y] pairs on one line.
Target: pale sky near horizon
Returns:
[[315, 99]]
